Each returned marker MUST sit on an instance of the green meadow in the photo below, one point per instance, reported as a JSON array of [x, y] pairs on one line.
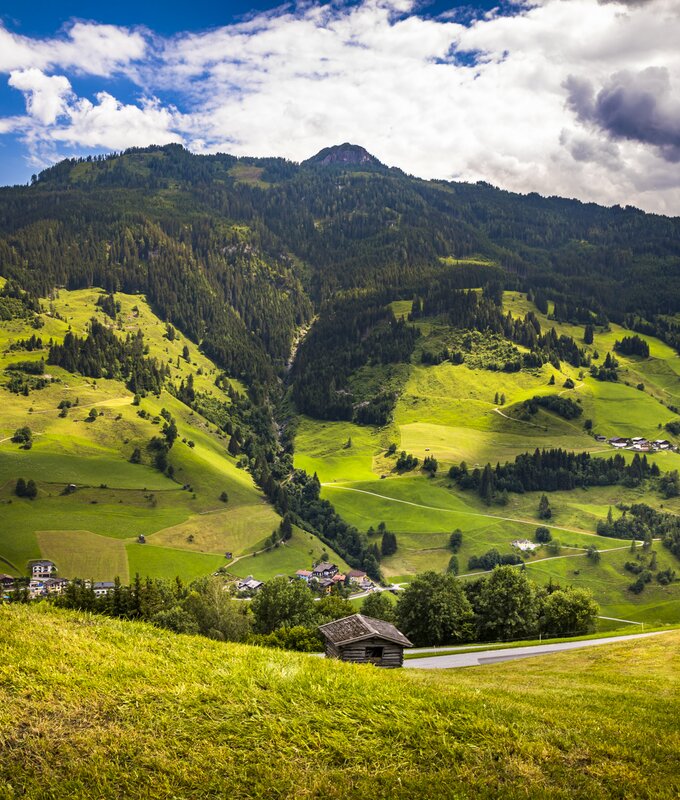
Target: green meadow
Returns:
[[451, 412], [92, 530], [454, 413], [122, 709]]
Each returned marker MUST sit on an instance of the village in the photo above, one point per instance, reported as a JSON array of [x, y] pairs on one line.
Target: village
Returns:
[[638, 443], [322, 578]]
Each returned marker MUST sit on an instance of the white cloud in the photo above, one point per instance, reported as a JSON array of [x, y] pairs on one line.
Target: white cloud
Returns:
[[111, 124], [46, 96], [86, 47], [489, 100]]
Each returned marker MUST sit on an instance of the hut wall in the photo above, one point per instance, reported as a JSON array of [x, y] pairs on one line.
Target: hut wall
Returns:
[[392, 656]]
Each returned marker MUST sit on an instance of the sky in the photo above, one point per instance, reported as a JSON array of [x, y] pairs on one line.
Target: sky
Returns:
[[578, 98]]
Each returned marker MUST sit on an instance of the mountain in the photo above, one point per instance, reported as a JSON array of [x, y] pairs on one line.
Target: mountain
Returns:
[[358, 343], [345, 155]]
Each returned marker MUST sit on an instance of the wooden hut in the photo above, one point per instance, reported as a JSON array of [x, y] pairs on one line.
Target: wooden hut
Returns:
[[364, 640]]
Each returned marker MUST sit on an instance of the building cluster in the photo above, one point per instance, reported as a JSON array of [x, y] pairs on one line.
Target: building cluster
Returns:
[[638, 443], [44, 581], [325, 576], [320, 578]]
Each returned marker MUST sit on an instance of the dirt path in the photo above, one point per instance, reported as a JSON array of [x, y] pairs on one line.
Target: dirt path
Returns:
[[547, 558], [461, 511], [9, 438], [521, 421]]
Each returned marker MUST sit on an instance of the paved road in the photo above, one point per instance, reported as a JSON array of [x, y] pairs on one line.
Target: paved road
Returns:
[[510, 654]]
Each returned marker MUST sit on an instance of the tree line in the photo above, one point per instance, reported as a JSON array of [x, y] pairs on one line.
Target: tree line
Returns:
[[552, 470]]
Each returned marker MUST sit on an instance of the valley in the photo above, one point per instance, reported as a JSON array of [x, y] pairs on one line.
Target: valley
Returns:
[[296, 344]]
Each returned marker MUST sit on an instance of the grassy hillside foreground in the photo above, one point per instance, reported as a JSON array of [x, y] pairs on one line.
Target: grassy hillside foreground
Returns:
[[98, 708]]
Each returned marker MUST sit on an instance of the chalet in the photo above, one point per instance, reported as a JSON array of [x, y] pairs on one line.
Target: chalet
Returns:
[[43, 569], [102, 588], [324, 570], [249, 584], [304, 575], [356, 576], [326, 584], [339, 578], [364, 640], [36, 588], [54, 585], [6, 581], [661, 444], [618, 441]]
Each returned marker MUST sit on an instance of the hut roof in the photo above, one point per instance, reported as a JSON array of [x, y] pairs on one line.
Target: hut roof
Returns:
[[357, 627]]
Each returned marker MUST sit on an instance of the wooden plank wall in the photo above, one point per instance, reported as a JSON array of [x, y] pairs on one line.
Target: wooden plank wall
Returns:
[[393, 654]]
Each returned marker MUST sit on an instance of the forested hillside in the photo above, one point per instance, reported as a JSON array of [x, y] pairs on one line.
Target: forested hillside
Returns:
[[340, 322]]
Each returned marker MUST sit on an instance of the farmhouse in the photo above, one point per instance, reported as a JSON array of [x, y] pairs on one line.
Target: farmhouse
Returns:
[[356, 576], [618, 441], [36, 588], [304, 575], [43, 569], [324, 570], [661, 444], [54, 585], [6, 581], [364, 640], [525, 545], [249, 584], [102, 588], [642, 445]]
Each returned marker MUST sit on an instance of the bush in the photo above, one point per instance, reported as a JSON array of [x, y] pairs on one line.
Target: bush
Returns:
[[456, 540], [493, 558], [542, 535], [24, 437]]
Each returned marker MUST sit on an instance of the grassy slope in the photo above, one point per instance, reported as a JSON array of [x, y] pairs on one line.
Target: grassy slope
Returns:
[[118, 709], [137, 499], [449, 412]]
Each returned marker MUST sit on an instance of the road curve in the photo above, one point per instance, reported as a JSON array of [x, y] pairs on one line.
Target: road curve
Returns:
[[511, 653]]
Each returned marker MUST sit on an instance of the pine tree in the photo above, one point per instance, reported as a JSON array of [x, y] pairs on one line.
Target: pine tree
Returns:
[[544, 510]]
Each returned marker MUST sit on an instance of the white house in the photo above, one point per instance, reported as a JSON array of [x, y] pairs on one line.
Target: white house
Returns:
[[525, 545], [43, 569]]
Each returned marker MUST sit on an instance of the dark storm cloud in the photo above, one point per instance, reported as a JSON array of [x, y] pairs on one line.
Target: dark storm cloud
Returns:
[[638, 106]]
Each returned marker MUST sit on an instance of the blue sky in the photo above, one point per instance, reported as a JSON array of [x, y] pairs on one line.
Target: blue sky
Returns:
[[44, 18], [573, 97]]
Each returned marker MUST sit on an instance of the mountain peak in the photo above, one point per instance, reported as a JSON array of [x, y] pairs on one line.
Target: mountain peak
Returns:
[[344, 155]]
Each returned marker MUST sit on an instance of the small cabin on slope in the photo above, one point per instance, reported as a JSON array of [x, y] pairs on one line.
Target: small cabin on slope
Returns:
[[364, 640]]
